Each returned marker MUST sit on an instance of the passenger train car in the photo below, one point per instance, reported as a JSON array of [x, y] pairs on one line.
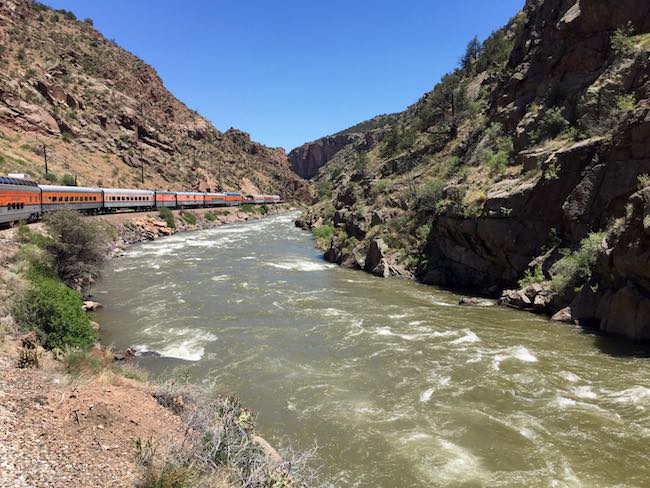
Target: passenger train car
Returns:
[[23, 199]]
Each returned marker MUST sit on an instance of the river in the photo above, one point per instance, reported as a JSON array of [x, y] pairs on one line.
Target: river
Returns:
[[397, 384]]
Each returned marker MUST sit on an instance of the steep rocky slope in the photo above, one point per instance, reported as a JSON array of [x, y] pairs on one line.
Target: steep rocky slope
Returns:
[[522, 174], [104, 115], [309, 158]]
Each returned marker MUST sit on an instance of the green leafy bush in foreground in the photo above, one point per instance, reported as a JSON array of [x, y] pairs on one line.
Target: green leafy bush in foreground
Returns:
[[209, 216], [54, 312]]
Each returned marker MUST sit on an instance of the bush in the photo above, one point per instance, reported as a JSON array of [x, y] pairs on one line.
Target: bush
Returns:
[[263, 209], [168, 216], [428, 195], [622, 44], [51, 177], [324, 190], [188, 217], [248, 208], [54, 312], [323, 236], [537, 276], [575, 266], [644, 180], [68, 180], [209, 216], [550, 125], [78, 247]]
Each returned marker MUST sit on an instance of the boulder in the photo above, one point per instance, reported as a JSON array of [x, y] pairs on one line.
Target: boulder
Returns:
[[91, 306], [563, 315], [376, 258]]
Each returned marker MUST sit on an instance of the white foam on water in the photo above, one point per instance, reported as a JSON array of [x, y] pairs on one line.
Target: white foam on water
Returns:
[[468, 338], [301, 265], [191, 347], [564, 402], [584, 392], [519, 353], [569, 376], [398, 316], [426, 395], [220, 278], [460, 466]]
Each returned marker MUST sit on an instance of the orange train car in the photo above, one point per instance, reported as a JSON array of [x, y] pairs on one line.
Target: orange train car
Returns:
[[71, 197], [20, 199]]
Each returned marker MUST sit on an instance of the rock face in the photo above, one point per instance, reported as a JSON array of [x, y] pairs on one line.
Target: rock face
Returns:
[[563, 153], [307, 159], [105, 115]]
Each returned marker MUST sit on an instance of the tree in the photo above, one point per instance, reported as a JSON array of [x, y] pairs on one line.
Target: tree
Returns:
[[78, 247], [472, 53]]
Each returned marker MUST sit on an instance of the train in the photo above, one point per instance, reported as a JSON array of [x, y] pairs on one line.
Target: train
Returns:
[[22, 199]]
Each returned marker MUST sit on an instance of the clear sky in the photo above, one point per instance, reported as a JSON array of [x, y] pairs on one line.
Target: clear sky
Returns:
[[291, 71]]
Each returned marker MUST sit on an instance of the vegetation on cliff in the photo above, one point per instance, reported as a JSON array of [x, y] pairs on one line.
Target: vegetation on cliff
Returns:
[[510, 169]]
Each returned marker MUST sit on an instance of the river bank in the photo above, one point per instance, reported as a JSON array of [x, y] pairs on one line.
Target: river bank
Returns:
[[88, 420]]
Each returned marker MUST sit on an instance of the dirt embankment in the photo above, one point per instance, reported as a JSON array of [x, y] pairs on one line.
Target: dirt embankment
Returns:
[[62, 430]]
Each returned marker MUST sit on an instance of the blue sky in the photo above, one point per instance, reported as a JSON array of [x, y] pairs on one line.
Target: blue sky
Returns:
[[291, 71]]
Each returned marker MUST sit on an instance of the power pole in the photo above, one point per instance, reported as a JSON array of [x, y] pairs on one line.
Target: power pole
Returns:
[[45, 158]]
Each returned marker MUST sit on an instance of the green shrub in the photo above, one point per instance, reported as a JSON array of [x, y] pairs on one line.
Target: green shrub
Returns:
[[644, 180], [551, 124], [80, 362], [428, 195], [68, 180], [423, 232], [263, 209], [575, 267], [54, 312], [324, 190], [248, 208], [323, 236], [188, 217], [209, 216], [168, 216], [622, 44], [78, 247], [625, 103], [51, 177], [537, 276]]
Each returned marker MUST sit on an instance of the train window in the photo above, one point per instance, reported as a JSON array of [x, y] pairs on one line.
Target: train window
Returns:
[[94, 198], [60, 199]]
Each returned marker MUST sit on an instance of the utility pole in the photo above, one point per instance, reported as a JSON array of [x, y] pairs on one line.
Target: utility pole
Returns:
[[45, 158]]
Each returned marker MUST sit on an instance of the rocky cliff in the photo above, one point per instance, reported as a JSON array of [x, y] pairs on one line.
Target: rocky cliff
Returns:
[[522, 174], [307, 159], [105, 116]]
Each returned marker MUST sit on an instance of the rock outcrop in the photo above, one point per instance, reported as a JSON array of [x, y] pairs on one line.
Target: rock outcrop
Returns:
[[495, 180], [307, 159]]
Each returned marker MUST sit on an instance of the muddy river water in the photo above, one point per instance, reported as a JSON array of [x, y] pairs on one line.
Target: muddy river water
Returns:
[[397, 384]]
